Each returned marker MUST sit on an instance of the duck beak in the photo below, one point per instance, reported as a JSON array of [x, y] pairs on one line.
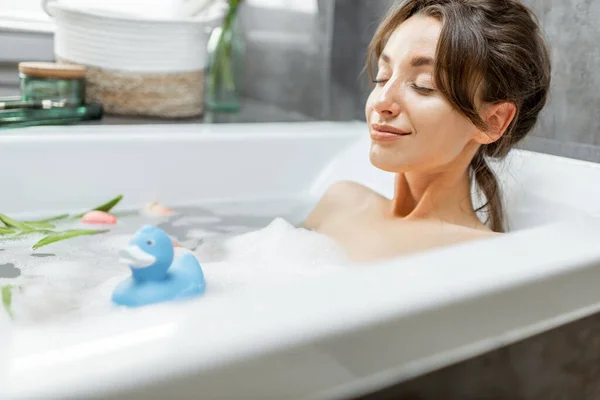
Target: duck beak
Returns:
[[136, 257]]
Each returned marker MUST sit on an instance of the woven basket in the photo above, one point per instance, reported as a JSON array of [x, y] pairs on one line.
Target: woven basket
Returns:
[[136, 66], [166, 95]]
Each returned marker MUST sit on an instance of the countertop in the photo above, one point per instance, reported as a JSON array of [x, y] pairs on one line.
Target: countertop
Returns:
[[252, 111]]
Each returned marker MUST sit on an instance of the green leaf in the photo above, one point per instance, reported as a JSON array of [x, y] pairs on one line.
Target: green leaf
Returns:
[[11, 223], [7, 298], [58, 236], [40, 225], [106, 207], [46, 220], [32, 231], [25, 226], [6, 231]]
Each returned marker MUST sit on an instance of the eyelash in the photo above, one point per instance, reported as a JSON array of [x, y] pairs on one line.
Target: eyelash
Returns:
[[420, 89]]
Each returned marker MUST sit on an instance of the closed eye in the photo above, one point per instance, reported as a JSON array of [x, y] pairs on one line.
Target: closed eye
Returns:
[[422, 90]]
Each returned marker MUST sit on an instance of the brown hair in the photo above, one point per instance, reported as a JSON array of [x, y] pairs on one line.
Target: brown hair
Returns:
[[491, 48]]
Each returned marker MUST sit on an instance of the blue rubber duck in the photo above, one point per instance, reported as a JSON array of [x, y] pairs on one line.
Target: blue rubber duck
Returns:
[[155, 276]]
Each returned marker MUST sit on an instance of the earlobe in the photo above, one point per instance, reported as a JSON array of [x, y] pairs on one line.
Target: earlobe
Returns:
[[499, 117]]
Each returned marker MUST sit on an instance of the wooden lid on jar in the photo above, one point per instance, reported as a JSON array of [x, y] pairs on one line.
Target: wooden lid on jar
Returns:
[[52, 70]]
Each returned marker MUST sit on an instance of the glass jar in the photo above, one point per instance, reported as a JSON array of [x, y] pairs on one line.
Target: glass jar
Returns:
[[52, 81]]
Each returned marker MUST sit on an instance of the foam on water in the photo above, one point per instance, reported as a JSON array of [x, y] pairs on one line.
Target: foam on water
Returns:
[[75, 278], [5, 346], [276, 254]]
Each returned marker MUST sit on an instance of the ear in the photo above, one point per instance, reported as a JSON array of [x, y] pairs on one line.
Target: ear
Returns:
[[498, 118]]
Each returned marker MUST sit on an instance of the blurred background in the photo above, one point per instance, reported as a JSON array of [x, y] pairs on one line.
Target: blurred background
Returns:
[[303, 61]]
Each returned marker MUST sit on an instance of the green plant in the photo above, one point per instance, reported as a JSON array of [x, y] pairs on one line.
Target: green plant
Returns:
[[106, 207], [14, 229], [58, 236], [221, 69], [7, 298]]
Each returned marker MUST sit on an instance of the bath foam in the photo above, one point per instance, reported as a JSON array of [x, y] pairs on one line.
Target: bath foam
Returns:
[[5, 345], [77, 282], [273, 255]]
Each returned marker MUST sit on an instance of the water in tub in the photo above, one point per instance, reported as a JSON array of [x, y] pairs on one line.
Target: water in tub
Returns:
[[241, 247]]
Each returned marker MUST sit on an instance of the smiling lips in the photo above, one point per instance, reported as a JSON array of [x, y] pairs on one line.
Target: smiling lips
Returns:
[[386, 132]]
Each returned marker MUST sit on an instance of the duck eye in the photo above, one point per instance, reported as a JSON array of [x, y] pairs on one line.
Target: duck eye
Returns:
[[150, 242]]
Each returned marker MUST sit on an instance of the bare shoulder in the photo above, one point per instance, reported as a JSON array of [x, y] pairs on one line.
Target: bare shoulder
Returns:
[[340, 197], [454, 234], [344, 190], [403, 237]]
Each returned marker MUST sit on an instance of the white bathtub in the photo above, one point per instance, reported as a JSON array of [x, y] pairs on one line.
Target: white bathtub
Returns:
[[346, 334]]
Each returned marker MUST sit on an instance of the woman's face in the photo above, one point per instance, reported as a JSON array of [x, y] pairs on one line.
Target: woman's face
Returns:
[[412, 126]]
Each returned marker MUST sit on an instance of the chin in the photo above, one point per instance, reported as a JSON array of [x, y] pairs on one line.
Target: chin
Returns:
[[384, 160]]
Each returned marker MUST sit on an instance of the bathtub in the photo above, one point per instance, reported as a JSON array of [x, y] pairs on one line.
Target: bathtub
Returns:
[[343, 335]]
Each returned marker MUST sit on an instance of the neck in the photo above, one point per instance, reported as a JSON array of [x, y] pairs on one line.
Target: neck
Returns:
[[443, 195]]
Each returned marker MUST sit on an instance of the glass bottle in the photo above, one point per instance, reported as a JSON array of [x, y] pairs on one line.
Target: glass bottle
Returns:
[[224, 77]]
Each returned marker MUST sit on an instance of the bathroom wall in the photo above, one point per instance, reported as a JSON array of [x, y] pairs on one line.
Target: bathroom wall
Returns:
[[354, 23], [287, 54], [569, 125]]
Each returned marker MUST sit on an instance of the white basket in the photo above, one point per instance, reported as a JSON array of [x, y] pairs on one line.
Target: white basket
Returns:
[[128, 55]]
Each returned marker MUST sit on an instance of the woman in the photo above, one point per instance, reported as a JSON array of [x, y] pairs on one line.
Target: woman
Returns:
[[457, 81]]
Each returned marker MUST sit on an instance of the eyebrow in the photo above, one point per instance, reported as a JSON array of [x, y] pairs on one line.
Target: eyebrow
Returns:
[[421, 61], [418, 61], [385, 58]]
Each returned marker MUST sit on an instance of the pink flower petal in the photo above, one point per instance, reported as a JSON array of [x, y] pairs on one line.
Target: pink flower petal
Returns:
[[99, 218], [157, 210]]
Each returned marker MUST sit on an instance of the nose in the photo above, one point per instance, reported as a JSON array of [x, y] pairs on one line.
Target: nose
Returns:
[[387, 104]]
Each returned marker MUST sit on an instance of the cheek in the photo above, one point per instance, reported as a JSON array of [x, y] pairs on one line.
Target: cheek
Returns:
[[442, 127], [429, 113], [441, 136]]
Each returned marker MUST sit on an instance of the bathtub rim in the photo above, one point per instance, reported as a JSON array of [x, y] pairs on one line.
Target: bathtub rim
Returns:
[[49, 381]]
